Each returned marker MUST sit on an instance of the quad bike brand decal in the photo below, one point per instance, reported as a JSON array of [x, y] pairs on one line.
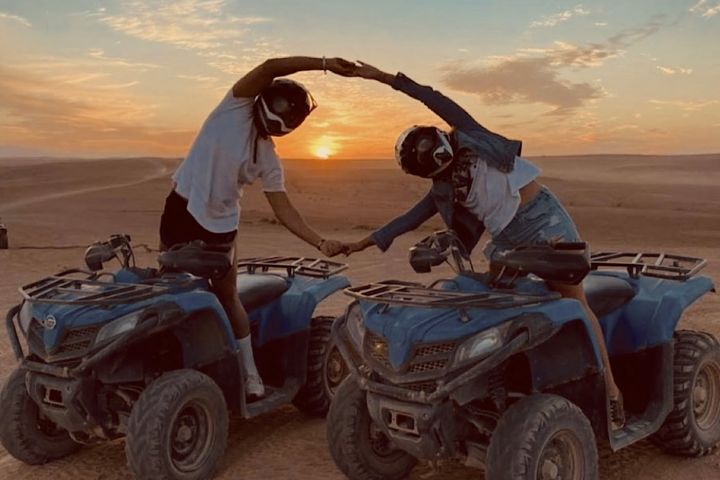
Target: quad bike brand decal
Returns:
[[49, 322]]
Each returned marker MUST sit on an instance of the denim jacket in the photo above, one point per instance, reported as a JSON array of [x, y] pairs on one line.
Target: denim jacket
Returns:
[[498, 151], [495, 149]]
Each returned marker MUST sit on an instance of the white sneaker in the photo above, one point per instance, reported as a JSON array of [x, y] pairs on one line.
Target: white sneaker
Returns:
[[254, 386]]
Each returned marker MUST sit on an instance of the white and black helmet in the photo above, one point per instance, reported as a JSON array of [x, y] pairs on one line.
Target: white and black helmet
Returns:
[[423, 151], [283, 106]]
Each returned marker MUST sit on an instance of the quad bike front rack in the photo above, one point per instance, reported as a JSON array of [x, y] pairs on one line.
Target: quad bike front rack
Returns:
[[309, 267], [660, 265], [80, 287], [394, 292]]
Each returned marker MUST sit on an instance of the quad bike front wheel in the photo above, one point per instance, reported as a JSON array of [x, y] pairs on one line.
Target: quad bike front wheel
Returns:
[[693, 427], [358, 447], [543, 437], [178, 428], [326, 369], [24, 432]]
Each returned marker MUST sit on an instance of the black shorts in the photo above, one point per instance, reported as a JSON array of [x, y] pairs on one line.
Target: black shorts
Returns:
[[178, 226]]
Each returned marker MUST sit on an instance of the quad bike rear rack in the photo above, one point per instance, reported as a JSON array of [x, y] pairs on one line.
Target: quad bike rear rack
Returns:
[[393, 292], [80, 287], [309, 267], [661, 265]]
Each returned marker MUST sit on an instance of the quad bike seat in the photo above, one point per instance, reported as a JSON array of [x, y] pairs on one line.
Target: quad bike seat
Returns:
[[256, 290], [605, 294]]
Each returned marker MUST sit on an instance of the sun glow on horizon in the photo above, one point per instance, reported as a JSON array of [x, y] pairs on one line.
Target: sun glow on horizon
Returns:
[[322, 152], [324, 147]]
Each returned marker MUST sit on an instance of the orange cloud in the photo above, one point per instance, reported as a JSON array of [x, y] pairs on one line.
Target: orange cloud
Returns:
[[68, 118]]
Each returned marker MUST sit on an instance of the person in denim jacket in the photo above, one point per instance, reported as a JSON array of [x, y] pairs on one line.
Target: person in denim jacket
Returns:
[[479, 182]]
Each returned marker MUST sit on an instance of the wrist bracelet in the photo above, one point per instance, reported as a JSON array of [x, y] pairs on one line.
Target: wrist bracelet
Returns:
[[324, 71], [320, 243]]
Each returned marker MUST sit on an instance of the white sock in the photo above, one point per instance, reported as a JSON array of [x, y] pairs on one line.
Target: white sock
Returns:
[[247, 356]]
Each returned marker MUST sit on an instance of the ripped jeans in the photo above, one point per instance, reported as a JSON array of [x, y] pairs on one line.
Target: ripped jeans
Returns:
[[541, 221]]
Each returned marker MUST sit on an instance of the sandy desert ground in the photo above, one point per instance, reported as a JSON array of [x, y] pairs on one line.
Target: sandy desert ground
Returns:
[[53, 209]]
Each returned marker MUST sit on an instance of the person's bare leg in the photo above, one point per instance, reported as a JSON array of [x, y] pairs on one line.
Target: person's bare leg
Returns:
[[576, 292], [226, 291]]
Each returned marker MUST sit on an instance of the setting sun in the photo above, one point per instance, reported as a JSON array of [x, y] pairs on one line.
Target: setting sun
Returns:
[[322, 152], [324, 146]]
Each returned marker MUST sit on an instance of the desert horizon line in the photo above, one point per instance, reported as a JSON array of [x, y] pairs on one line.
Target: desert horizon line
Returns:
[[336, 159]]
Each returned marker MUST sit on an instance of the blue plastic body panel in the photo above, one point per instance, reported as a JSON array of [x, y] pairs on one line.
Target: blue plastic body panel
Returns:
[[293, 311], [649, 319], [290, 313]]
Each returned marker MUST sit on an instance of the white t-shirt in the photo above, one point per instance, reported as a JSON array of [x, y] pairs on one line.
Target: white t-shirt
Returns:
[[494, 196], [220, 162]]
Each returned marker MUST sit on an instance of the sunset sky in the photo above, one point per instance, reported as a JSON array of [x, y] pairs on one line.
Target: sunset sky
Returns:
[[125, 77]]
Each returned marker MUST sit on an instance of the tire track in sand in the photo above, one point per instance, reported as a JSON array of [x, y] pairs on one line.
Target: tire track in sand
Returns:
[[161, 169]]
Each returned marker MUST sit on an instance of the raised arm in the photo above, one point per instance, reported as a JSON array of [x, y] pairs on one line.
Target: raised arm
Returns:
[[496, 149], [442, 106], [261, 76]]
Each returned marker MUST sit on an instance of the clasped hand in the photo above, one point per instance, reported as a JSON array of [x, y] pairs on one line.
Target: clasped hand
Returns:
[[346, 68], [331, 248]]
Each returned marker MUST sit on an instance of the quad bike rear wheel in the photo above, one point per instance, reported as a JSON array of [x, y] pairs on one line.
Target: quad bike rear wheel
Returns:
[[326, 369], [543, 437], [24, 432], [693, 427], [178, 428], [360, 449]]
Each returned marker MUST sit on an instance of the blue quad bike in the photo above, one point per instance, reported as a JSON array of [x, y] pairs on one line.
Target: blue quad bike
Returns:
[[149, 355], [499, 373]]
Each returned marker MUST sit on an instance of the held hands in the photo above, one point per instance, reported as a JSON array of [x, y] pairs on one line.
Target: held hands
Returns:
[[342, 67], [350, 248], [346, 68], [330, 248], [365, 70]]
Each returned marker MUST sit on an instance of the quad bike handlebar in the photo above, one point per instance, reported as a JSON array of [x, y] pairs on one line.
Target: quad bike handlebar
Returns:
[[117, 246], [442, 246], [562, 262]]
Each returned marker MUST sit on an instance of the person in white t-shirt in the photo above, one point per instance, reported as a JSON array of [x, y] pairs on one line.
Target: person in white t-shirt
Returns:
[[234, 148]]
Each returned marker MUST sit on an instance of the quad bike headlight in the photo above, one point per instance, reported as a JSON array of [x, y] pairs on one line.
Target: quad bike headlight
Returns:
[[480, 345], [119, 326], [355, 325]]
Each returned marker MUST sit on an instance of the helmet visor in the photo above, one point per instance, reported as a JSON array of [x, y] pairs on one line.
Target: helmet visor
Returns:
[[433, 151], [284, 107]]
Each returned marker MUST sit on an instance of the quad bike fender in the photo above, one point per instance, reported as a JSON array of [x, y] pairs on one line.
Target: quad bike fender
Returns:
[[199, 338], [674, 302], [651, 317], [203, 301], [293, 312], [574, 327], [320, 290], [570, 354], [196, 321]]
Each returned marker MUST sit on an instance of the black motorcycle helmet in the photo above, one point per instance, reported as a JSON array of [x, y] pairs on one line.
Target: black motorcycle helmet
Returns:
[[282, 107], [423, 151]]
